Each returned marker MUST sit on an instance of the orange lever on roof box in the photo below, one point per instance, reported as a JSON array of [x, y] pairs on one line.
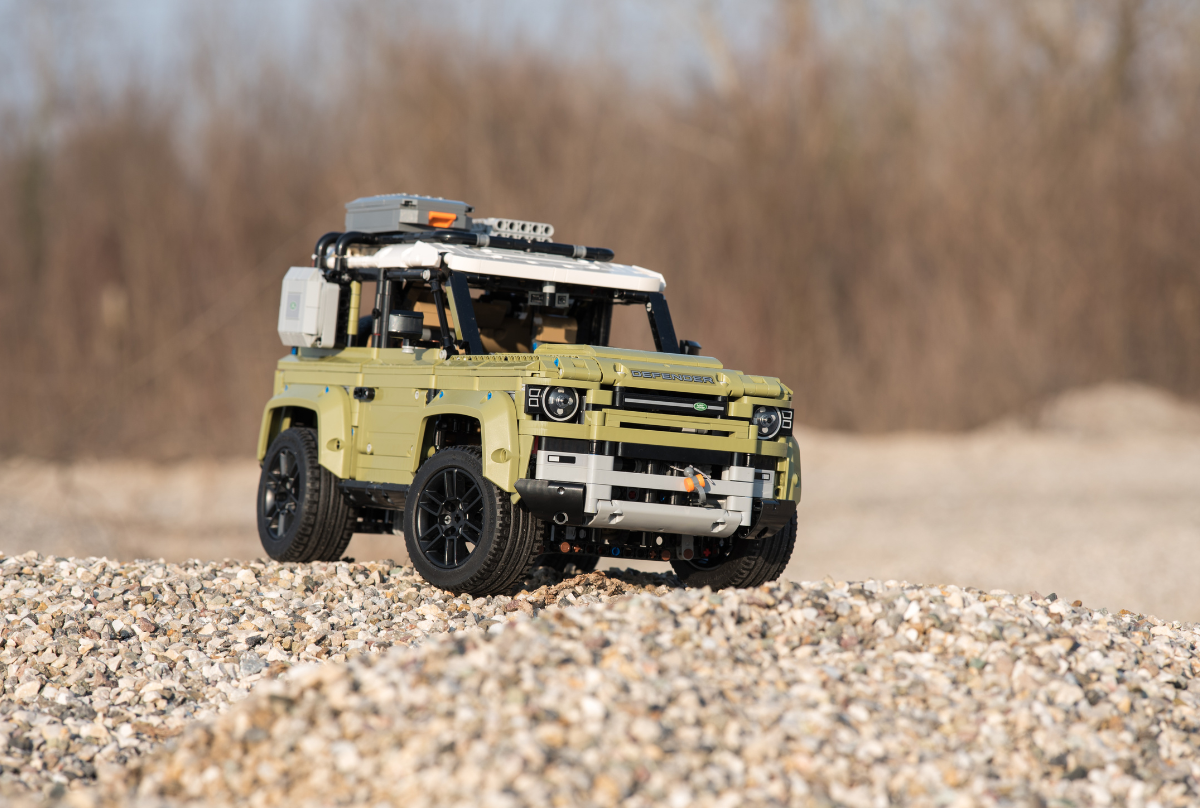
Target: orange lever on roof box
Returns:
[[439, 219]]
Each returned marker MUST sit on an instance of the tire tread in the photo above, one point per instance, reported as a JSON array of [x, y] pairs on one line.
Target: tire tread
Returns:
[[326, 520], [511, 551], [759, 562]]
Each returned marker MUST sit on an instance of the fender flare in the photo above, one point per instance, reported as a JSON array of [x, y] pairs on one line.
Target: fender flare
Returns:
[[331, 405], [497, 416], [791, 485]]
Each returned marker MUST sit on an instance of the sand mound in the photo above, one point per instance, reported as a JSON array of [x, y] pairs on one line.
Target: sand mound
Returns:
[[1119, 409]]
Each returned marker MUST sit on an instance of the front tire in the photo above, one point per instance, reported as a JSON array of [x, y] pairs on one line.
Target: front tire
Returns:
[[751, 564], [462, 531], [302, 515]]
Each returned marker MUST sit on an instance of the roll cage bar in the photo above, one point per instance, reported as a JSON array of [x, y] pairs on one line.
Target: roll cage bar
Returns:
[[334, 246]]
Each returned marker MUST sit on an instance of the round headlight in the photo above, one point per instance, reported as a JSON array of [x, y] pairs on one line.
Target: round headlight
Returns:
[[560, 403], [768, 422]]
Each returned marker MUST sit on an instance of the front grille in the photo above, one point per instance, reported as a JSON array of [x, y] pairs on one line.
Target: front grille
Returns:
[[665, 454], [634, 398]]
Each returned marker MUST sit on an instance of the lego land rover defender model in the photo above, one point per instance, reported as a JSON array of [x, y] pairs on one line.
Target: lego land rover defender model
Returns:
[[479, 411]]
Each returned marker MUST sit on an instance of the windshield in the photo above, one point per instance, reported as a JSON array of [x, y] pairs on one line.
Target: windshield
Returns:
[[486, 314], [518, 320]]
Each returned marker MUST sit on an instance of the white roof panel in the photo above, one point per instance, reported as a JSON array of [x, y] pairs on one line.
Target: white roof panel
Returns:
[[513, 264]]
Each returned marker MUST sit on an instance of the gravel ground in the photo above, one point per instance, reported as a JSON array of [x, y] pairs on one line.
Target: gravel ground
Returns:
[[823, 693], [101, 661]]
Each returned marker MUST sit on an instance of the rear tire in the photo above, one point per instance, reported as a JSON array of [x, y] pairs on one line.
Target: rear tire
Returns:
[[462, 531], [751, 564], [302, 516]]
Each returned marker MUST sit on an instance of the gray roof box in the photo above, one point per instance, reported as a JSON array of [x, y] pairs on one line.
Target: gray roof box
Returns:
[[405, 212]]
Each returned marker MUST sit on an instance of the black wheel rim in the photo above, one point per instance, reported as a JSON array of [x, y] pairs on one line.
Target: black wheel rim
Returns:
[[449, 518], [281, 494]]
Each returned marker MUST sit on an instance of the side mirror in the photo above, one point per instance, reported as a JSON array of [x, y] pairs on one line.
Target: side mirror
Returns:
[[689, 347]]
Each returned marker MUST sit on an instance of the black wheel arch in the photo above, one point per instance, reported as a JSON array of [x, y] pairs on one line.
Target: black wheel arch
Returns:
[[288, 416]]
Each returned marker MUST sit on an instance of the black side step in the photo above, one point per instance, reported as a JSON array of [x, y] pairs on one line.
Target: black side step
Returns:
[[390, 496]]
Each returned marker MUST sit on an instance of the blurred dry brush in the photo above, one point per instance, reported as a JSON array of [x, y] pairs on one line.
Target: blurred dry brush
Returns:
[[916, 224]]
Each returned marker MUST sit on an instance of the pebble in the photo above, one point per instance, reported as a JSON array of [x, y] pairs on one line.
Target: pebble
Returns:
[[593, 691], [825, 693], [103, 661]]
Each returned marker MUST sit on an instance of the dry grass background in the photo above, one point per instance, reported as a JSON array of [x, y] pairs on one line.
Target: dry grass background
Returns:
[[914, 230]]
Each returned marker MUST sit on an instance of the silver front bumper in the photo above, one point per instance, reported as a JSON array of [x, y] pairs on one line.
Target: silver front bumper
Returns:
[[733, 495]]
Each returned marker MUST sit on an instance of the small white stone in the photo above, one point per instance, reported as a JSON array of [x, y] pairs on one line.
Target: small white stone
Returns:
[[27, 691]]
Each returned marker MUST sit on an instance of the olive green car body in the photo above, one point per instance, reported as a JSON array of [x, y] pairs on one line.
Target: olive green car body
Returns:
[[386, 439]]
